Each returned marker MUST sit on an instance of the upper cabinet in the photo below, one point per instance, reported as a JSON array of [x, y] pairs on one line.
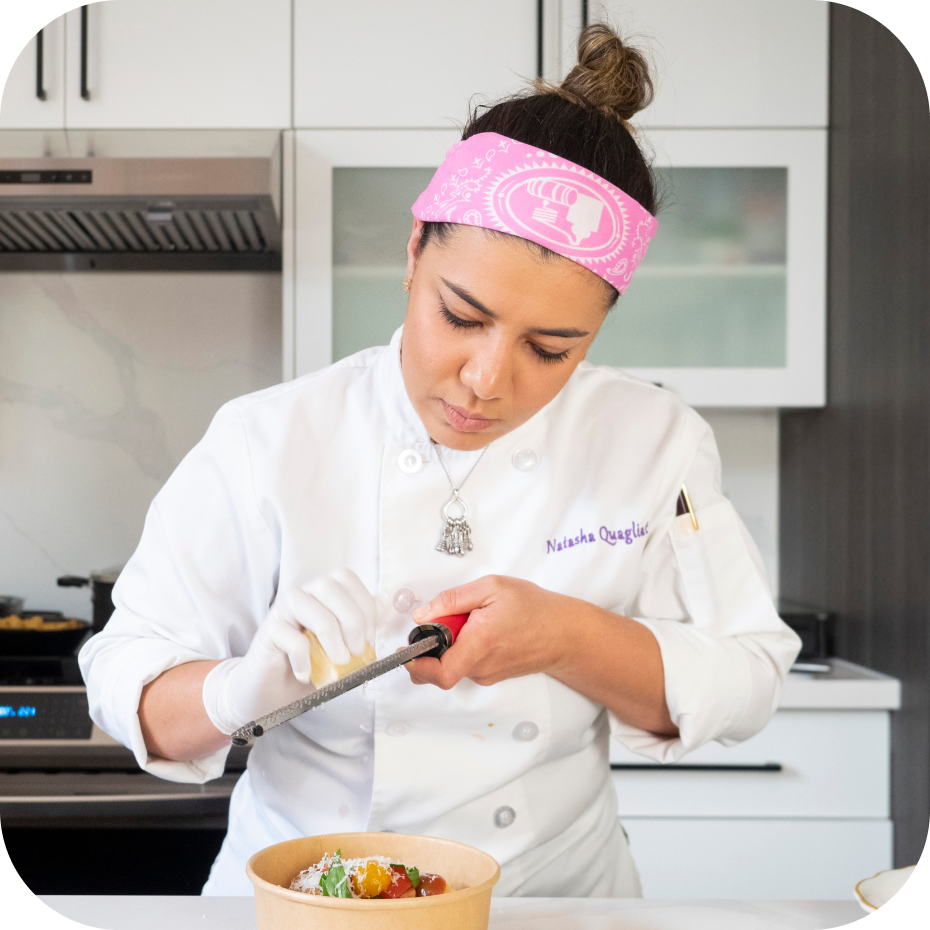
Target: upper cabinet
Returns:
[[728, 306], [34, 95], [410, 63], [730, 63], [204, 64], [179, 64]]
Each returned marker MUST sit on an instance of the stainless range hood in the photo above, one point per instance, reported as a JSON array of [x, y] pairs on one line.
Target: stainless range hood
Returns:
[[137, 201]]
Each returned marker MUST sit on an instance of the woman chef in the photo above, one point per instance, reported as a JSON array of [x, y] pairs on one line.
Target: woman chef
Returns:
[[318, 504]]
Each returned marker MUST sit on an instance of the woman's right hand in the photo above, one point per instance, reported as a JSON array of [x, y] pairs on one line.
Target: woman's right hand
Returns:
[[275, 670]]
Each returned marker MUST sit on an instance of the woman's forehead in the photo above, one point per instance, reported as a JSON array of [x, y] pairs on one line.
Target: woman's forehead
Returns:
[[505, 273]]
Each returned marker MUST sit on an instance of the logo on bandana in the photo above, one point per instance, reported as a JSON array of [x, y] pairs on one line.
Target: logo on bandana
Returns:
[[559, 208]]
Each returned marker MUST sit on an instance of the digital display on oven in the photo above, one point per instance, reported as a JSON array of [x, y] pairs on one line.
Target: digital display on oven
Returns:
[[44, 715], [21, 711]]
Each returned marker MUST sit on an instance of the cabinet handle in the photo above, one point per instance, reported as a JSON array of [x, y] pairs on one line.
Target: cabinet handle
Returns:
[[584, 13], [685, 767], [85, 93], [40, 66], [539, 37]]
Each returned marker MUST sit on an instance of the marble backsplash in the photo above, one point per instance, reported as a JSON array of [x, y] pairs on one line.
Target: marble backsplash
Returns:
[[107, 380]]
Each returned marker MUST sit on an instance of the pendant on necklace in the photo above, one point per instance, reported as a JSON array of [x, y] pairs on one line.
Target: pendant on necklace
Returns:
[[456, 537]]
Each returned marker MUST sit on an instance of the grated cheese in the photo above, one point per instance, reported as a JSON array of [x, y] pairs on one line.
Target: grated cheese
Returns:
[[308, 881]]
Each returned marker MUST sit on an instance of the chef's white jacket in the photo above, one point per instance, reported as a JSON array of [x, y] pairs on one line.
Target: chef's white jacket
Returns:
[[315, 474]]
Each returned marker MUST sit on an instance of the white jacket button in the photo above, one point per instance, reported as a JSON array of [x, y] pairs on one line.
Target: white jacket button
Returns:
[[404, 600], [410, 461], [504, 816], [525, 460], [398, 729], [525, 732]]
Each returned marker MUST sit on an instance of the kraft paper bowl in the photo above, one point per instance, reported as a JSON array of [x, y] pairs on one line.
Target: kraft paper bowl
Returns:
[[469, 871]]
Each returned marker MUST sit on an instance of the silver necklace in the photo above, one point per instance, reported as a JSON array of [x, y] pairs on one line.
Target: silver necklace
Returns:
[[456, 536]]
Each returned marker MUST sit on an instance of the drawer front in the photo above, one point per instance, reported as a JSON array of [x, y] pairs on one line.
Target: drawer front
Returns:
[[803, 764], [757, 859]]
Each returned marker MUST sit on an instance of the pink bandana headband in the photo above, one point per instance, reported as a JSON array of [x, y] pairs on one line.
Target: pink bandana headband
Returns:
[[491, 181]]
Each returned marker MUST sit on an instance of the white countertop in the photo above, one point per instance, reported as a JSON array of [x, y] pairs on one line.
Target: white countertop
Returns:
[[846, 686], [127, 912]]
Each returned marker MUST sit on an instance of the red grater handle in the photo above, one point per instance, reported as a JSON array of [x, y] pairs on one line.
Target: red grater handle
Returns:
[[446, 628]]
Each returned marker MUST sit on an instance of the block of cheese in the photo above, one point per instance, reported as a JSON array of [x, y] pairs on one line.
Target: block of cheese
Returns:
[[324, 671]]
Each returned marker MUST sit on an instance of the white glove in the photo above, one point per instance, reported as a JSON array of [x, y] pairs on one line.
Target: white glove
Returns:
[[277, 669]]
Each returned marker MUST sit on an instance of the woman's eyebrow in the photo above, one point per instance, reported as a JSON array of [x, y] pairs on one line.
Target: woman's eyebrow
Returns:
[[468, 298], [478, 305]]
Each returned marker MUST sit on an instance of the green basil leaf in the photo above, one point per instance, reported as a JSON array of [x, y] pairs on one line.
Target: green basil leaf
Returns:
[[340, 882], [334, 883]]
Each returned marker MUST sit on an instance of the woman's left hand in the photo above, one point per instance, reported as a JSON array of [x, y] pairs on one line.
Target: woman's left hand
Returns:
[[514, 628]]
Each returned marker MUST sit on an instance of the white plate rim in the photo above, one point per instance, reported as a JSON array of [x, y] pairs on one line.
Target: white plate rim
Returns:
[[866, 904]]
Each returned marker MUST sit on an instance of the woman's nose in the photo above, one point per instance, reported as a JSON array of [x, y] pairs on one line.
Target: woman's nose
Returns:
[[487, 372]]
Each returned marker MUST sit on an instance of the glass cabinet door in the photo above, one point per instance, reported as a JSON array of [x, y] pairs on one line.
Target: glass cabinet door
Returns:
[[727, 308], [712, 289], [371, 226]]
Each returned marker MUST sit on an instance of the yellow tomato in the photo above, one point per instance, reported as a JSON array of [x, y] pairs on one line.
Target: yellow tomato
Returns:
[[370, 880]]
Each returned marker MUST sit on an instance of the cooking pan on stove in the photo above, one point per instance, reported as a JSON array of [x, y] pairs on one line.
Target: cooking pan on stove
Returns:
[[102, 587], [42, 642]]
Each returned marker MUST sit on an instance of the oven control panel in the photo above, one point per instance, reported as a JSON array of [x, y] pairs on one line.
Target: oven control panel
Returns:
[[44, 713]]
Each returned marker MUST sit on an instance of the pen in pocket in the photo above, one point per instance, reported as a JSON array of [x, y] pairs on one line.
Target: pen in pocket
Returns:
[[684, 506]]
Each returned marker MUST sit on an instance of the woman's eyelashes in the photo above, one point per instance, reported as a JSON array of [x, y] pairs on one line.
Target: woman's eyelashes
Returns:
[[549, 357], [459, 323], [454, 320]]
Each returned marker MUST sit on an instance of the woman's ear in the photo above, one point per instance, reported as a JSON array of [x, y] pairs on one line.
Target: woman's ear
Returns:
[[413, 246]]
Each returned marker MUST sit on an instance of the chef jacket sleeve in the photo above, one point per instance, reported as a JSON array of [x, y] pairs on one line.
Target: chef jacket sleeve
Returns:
[[705, 597], [198, 585]]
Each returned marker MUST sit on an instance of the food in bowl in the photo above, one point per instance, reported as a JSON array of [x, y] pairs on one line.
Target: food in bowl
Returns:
[[367, 877], [40, 623]]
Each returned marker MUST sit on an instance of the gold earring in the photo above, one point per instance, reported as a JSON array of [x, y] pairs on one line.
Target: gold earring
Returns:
[[407, 282]]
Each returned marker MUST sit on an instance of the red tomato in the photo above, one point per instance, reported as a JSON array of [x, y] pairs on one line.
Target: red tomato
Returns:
[[400, 883], [430, 884]]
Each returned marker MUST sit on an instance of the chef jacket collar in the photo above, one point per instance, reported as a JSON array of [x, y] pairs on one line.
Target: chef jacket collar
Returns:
[[407, 428]]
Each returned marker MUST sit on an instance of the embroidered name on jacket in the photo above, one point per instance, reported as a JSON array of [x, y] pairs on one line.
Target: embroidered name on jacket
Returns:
[[627, 536]]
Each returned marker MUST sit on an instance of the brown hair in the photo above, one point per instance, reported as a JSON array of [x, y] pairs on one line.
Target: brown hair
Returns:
[[584, 119]]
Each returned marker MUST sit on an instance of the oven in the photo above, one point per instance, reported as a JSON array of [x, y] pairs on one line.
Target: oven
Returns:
[[77, 813]]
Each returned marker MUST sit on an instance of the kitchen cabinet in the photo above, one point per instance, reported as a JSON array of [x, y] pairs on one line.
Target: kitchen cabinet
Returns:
[[23, 106], [760, 859], [353, 297], [179, 64], [801, 810], [411, 63], [727, 309], [729, 63]]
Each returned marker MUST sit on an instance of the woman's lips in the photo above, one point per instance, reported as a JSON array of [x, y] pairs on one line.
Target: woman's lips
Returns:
[[464, 421]]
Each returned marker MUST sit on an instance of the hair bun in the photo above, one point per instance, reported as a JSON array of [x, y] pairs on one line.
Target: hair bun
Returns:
[[610, 76]]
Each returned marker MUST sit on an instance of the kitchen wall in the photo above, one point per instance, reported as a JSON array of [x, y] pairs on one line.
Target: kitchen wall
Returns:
[[748, 441], [106, 381]]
